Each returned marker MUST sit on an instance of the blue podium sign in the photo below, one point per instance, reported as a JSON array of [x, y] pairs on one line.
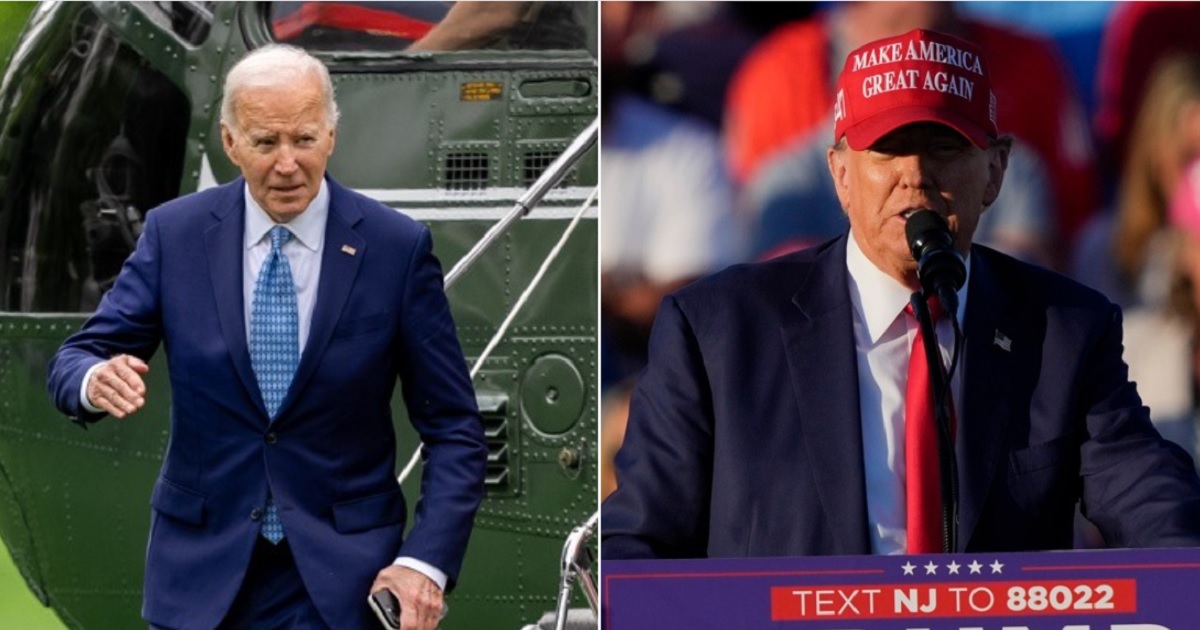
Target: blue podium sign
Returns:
[[1150, 589]]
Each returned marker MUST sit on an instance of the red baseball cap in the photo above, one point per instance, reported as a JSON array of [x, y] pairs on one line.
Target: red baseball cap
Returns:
[[920, 76]]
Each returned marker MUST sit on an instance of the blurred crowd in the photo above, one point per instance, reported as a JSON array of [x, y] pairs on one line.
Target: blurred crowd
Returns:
[[716, 117]]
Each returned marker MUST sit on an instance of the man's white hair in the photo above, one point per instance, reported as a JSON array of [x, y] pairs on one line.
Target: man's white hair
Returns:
[[275, 65]]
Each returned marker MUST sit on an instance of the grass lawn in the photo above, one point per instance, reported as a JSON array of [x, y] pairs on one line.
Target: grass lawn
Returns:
[[19, 609], [12, 18]]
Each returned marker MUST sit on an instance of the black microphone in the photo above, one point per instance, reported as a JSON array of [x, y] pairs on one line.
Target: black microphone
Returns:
[[939, 266]]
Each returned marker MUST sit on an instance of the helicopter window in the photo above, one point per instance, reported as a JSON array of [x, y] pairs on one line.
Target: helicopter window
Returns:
[[432, 26], [190, 20], [102, 140]]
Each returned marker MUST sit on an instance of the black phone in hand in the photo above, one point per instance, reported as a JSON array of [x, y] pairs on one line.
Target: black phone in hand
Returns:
[[386, 607]]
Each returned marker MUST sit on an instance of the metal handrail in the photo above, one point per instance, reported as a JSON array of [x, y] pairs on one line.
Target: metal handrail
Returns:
[[576, 564], [550, 178], [512, 314]]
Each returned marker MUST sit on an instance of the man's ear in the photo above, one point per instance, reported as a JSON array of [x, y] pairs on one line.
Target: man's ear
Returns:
[[997, 164], [839, 171]]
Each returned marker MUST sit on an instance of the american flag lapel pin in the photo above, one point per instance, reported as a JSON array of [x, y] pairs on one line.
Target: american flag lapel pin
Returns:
[[1003, 341], [346, 249]]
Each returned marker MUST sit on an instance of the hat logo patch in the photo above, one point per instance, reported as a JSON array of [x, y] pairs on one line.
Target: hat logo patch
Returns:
[[943, 82], [917, 51], [938, 81]]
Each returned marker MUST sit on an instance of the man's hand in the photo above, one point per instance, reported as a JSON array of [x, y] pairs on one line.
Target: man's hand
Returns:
[[420, 599], [117, 386]]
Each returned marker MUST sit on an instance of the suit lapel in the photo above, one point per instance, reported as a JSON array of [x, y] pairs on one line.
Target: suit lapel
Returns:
[[992, 342], [223, 244], [819, 342], [338, 271]]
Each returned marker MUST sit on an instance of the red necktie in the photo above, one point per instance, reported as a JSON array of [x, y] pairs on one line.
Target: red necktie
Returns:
[[922, 486]]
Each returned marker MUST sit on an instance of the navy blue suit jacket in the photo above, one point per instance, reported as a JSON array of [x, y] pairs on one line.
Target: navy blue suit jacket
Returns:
[[328, 459], [745, 439]]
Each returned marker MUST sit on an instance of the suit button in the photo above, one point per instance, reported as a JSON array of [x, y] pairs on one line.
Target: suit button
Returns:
[[255, 515], [270, 437]]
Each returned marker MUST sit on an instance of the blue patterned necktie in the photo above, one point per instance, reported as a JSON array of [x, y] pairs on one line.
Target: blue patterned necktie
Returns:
[[274, 343]]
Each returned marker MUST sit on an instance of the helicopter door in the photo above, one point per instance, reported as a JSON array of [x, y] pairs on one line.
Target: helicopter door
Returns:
[[99, 142]]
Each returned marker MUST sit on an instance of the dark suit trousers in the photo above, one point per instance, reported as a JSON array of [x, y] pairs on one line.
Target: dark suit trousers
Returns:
[[272, 595]]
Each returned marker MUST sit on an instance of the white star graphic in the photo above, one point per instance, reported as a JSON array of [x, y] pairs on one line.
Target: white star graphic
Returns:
[[953, 567], [975, 566], [931, 568], [996, 567], [908, 568]]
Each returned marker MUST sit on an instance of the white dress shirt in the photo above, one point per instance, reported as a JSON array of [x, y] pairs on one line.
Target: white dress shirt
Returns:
[[303, 252], [883, 338]]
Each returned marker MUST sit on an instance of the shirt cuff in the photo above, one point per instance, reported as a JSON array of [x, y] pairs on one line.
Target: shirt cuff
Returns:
[[428, 570], [83, 397]]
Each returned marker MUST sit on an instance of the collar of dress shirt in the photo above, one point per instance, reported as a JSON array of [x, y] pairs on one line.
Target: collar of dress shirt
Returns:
[[308, 228], [877, 297]]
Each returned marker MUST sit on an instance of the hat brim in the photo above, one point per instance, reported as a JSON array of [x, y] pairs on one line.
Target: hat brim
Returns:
[[867, 132]]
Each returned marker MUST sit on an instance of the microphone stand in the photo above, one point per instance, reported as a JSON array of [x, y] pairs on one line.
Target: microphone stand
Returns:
[[939, 382]]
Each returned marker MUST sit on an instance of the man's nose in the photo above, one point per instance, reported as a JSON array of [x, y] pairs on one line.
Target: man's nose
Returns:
[[915, 170], [285, 159]]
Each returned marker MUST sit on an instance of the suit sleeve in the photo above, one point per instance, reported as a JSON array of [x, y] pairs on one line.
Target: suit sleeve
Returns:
[[664, 468], [1138, 488], [441, 405], [128, 321]]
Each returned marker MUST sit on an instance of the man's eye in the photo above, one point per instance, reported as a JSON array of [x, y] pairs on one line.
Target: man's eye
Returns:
[[305, 141], [264, 142], [888, 147], [883, 153], [946, 148]]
